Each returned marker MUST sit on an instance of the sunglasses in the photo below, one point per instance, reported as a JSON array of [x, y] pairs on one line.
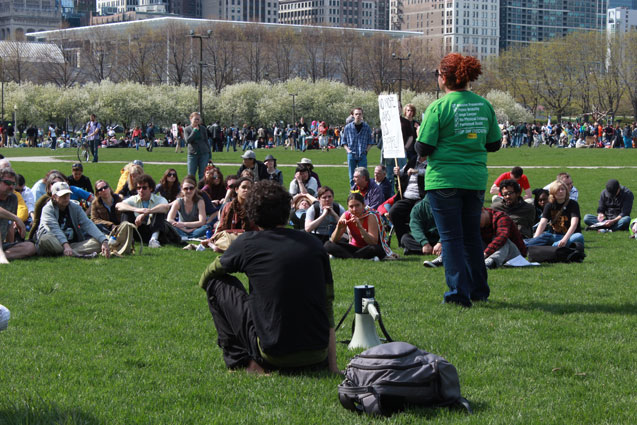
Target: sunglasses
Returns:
[[437, 73], [171, 175], [102, 188], [142, 187], [188, 188], [8, 182]]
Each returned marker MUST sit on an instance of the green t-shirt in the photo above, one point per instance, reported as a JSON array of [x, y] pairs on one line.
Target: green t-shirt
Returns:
[[459, 125]]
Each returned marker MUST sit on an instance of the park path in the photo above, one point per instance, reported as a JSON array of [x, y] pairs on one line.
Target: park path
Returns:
[[344, 165]]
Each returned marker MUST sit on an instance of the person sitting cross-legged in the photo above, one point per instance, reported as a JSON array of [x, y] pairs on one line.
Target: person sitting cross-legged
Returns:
[[104, 212], [191, 211], [66, 230], [564, 216], [613, 210], [283, 322], [147, 210]]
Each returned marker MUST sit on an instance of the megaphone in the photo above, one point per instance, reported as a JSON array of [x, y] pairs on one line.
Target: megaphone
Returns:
[[365, 335]]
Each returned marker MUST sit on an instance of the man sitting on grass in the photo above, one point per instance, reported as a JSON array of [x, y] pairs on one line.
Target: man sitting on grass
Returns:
[[613, 210], [66, 230], [147, 210], [8, 209], [287, 319]]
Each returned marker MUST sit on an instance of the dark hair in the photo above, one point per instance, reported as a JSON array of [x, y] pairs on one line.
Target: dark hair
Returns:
[[356, 197], [268, 205], [52, 175], [459, 70], [537, 193], [193, 180], [324, 189], [20, 180], [510, 183], [171, 190], [301, 168], [145, 178], [517, 172], [231, 177]]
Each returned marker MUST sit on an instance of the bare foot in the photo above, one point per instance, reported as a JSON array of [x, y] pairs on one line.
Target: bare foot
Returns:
[[3, 260], [254, 367]]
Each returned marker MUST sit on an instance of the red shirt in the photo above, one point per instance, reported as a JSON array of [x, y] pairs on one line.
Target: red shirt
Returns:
[[522, 181], [356, 237]]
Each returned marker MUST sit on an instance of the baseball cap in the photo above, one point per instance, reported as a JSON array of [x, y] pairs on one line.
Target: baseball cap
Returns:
[[249, 155], [60, 189]]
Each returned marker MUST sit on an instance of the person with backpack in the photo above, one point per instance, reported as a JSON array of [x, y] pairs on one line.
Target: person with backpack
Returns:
[[322, 217]]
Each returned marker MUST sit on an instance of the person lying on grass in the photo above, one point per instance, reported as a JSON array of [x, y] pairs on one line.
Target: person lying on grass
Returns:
[[283, 322]]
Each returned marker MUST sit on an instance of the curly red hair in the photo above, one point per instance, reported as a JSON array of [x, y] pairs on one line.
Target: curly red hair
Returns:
[[459, 70]]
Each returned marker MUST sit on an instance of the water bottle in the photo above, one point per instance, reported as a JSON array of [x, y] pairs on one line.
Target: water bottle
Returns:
[[208, 234], [112, 240]]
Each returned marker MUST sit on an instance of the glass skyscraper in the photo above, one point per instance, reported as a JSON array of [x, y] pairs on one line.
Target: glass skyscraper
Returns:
[[529, 21]]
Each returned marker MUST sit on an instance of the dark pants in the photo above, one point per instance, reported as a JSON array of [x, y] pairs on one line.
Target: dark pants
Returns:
[[399, 216], [94, 145], [228, 303], [346, 250], [157, 224]]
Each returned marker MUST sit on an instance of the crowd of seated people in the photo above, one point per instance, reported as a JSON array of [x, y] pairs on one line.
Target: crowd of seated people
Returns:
[[68, 215]]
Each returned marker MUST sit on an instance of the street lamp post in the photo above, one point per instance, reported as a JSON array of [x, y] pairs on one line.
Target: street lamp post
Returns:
[[2, 76], [400, 60], [201, 65], [294, 95]]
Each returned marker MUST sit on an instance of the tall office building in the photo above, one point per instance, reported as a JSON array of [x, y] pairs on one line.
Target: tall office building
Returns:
[[529, 21], [628, 4], [621, 20], [18, 17], [183, 8], [465, 26], [367, 14], [240, 10]]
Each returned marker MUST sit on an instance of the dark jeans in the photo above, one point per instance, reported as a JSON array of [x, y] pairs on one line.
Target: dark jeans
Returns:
[[157, 224], [346, 250], [399, 216], [94, 145], [457, 215]]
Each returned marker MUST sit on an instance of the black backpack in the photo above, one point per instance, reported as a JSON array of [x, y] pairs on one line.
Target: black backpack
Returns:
[[574, 253], [387, 378]]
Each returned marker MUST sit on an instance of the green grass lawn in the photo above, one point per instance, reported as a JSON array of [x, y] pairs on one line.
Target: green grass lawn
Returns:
[[127, 341]]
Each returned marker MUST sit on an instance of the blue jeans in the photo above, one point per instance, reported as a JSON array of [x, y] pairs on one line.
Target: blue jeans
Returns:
[[457, 216], [199, 161], [552, 239], [353, 162], [622, 224], [94, 144], [231, 141], [197, 233], [247, 144]]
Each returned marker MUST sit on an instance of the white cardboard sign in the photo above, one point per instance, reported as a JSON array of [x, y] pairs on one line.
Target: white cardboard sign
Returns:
[[390, 126]]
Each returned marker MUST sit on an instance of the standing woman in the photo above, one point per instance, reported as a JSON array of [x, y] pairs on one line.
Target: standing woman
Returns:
[[196, 137], [457, 132]]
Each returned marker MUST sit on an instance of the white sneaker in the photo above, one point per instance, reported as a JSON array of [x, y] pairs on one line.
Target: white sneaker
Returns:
[[376, 259], [200, 248], [154, 243], [5, 315]]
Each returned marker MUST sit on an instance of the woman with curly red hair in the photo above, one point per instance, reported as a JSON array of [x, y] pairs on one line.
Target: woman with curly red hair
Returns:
[[457, 132]]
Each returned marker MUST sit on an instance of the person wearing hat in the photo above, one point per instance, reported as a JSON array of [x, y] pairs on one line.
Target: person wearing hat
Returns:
[[78, 179], [258, 168], [274, 174], [66, 230], [307, 162], [613, 210]]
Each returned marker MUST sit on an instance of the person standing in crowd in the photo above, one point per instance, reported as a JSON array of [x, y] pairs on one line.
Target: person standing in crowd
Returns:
[[93, 129], [196, 137], [150, 137], [357, 141], [457, 132]]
